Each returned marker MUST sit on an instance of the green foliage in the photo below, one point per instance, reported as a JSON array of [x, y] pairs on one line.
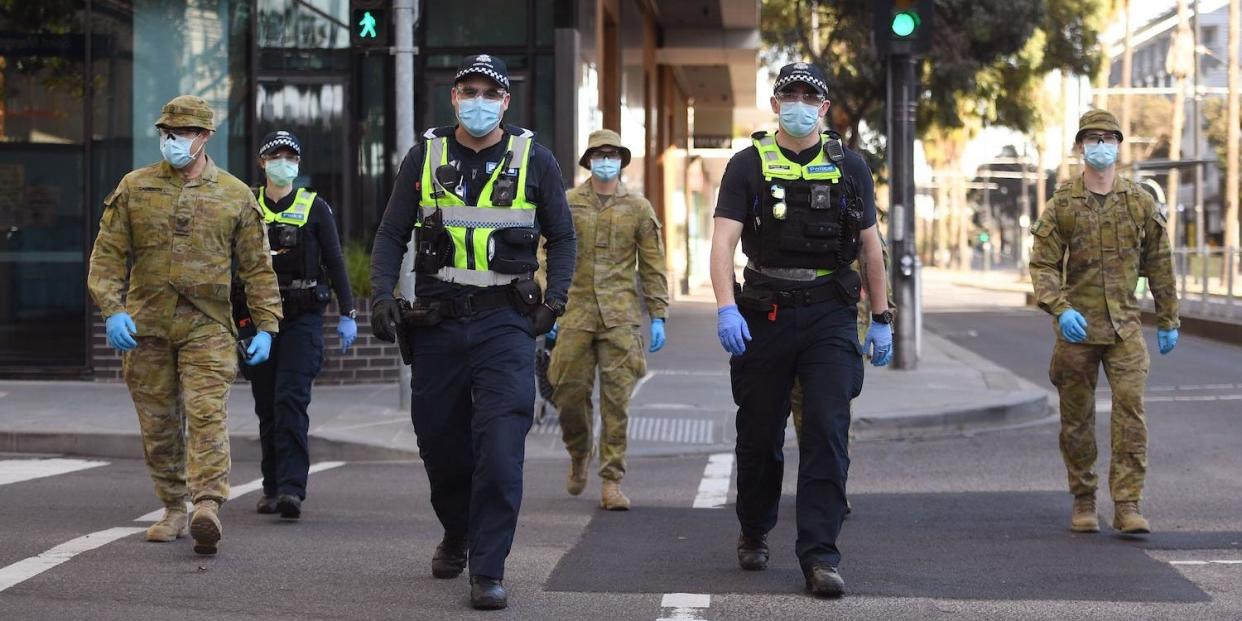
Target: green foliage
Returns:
[[1072, 28], [358, 268]]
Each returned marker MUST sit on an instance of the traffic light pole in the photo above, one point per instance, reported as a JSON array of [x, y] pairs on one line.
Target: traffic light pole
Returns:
[[905, 268], [405, 18]]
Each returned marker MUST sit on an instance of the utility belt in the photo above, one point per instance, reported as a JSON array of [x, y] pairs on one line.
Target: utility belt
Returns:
[[302, 296], [845, 288], [428, 312]]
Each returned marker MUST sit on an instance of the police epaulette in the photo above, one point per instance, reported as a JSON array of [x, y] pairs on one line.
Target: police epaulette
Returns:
[[759, 135]]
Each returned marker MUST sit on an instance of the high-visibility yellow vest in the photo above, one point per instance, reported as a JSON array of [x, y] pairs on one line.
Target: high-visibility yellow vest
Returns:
[[297, 214], [474, 228]]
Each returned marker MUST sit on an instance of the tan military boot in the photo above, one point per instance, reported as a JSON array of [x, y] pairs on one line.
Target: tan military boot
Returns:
[[577, 479], [1127, 519], [611, 497], [170, 527], [205, 526], [1084, 518]]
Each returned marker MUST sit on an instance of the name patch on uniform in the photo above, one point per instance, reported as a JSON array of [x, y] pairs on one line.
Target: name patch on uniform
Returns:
[[294, 216], [821, 168], [778, 166], [491, 166]]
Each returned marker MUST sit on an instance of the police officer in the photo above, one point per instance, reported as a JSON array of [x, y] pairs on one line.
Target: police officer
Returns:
[[803, 208], [306, 254], [1099, 232], [476, 196], [617, 232], [182, 223]]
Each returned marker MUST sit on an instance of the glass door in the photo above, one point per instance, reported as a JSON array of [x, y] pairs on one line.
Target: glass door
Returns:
[[42, 185]]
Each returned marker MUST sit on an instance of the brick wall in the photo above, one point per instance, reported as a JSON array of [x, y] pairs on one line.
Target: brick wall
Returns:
[[369, 361]]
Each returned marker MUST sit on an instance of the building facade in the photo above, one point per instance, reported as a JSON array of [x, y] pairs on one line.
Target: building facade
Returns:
[[82, 81]]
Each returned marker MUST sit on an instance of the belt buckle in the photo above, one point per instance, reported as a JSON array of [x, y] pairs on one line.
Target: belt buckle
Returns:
[[783, 298], [467, 305]]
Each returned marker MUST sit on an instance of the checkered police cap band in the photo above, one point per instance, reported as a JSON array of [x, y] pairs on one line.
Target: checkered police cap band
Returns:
[[281, 141], [801, 77], [486, 70]]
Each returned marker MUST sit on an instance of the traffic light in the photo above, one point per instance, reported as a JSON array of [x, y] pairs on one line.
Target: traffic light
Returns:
[[902, 27], [368, 23]]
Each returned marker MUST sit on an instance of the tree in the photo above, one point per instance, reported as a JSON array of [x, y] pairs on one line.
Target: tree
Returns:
[[970, 36]]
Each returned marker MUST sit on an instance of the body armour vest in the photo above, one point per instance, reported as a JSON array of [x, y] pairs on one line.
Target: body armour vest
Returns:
[[284, 234], [808, 217], [488, 243]]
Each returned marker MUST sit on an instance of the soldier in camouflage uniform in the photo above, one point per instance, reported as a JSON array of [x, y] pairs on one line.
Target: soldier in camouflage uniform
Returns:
[[617, 232], [181, 223], [1098, 234]]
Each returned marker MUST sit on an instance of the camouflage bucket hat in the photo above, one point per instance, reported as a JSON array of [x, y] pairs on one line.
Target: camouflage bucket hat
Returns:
[[604, 138], [187, 111], [1099, 120]]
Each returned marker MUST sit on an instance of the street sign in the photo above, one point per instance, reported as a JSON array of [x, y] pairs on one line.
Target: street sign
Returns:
[[368, 23]]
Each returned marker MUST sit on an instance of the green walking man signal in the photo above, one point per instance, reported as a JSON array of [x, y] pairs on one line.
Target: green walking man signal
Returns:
[[366, 26], [369, 26]]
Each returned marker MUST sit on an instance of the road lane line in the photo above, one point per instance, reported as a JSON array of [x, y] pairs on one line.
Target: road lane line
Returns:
[[26, 569], [714, 489], [639, 386], [241, 490], [685, 606], [18, 470], [1212, 562]]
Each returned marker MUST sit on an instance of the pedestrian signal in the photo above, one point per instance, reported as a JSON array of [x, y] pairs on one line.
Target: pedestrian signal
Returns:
[[368, 23]]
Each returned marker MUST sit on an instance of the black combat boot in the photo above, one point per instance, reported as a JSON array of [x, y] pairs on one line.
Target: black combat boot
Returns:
[[290, 507], [822, 580], [266, 505], [752, 554], [487, 594], [450, 558]]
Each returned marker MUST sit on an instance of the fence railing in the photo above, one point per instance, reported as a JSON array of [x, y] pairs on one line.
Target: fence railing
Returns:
[[1209, 282]]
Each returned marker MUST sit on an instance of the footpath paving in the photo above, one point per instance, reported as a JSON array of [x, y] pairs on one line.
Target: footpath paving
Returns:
[[683, 405]]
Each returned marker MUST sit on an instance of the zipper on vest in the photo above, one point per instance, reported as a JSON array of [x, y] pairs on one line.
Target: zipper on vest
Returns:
[[469, 248]]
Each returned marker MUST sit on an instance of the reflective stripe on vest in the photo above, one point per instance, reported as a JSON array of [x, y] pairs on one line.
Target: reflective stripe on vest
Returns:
[[471, 226], [777, 166], [298, 214]]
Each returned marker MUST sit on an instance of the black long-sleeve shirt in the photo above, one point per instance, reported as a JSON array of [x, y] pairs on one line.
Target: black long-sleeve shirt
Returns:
[[544, 188], [320, 236]]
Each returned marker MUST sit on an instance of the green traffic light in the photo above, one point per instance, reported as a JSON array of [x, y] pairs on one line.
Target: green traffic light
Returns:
[[904, 23], [367, 26]]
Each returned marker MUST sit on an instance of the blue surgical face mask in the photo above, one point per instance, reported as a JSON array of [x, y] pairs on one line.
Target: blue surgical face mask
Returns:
[[177, 150], [478, 116], [281, 172], [1099, 155], [798, 119], [606, 169]]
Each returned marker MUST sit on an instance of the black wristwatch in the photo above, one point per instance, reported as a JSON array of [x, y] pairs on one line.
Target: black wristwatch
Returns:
[[885, 317], [556, 306]]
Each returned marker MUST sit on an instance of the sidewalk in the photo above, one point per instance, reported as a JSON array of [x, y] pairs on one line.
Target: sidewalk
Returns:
[[683, 405], [1217, 318]]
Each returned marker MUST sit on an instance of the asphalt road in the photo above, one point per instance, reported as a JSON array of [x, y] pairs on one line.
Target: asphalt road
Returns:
[[972, 526]]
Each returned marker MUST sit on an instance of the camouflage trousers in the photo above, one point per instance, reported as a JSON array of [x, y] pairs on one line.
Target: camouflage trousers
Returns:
[[618, 354], [1074, 371], [180, 386]]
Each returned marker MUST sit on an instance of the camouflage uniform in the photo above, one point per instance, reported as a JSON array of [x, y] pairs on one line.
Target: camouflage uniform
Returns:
[[601, 322], [1108, 248], [181, 237]]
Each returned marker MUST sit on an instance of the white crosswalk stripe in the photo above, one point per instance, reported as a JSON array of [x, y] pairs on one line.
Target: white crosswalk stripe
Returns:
[[18, 470]]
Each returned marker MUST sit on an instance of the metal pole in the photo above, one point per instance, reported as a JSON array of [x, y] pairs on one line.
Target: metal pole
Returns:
[[405, 16], [1197, 103], [901, 225]]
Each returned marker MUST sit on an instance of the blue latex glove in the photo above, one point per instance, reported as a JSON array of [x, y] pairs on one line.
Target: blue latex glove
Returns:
[[1073, 326], [549, 339], [348, 329], [879, 343], [657, 335], [260, 347], [121, 331], [732, 329], [1167, 340]]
